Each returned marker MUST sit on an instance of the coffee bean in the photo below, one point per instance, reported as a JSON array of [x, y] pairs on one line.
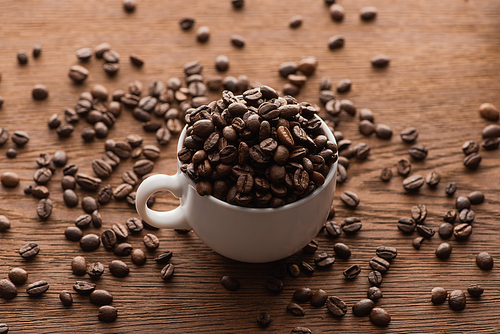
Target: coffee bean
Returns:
[[68, 182], [489, 112], [462, 202], [37, 289], [344, 86], [406, 225], [7, 289], [295, 309], [419, 213], [366, 127], [387, 252], [351, 225], [123, 249], [79, 265], [425, 231], [73, 233], [418, 152], [44, 160], [342, 251], [20, 138], [472, 161], [138, 257], [230, 283], [87, 182], [263, 319], [274, 285], [84, 288], [470, 147], [89, 204], [30, 250], [70, 198], [78, 73], [95, 270], [22, 57], [363, 307], [66, 298], [375, 278], [237, 4], [64, 130], [39, 92], [151, 241], [337, 12], [383, 131], [4, 135], [379, 264], [203, 34], [450, 189], [350, 199], [467, 216], [492, 130], [101, 168], [462, 231], [380, 317], [333, 229], [490, 144], [404, 167], [293, 269], [186, 23], [90, 242], [484, 261], [83, 221], [444, 250], [319, 298], [4, 223], [120, 231], [302, 295], [84, 54], [352, 272], [368, 13], [301, 330], [476, 197], [413, 183], [432, 179], [457, 300], [306, 268], [336, 306], [475, 290], [324, 260], [107, 313], [164, 257], [18, 276], [101, 297], [380, 61], [134, 225], [417, 242], [10, 179], [374, 293], [42, 176], [445, 230], [118, 268], [409, 135], [438, 295]]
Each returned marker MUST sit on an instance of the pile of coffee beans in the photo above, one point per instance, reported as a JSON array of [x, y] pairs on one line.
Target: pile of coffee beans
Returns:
[[258, 150]]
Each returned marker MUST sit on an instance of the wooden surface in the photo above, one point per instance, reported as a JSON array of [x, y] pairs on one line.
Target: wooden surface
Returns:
[[445, 63]]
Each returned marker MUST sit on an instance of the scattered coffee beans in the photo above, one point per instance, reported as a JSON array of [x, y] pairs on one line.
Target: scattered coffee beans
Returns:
[[457, 300], [484, 261]]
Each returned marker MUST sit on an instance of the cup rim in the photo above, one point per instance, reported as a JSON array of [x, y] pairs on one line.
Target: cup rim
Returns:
[[328, 179]]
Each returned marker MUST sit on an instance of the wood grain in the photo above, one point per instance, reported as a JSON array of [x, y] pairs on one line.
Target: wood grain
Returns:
[[444, 63]]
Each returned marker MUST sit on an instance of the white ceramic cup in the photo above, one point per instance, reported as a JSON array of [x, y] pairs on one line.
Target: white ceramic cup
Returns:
[[254, 235]]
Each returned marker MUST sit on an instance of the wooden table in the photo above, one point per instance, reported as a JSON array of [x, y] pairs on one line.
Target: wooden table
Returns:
[[445, 62]]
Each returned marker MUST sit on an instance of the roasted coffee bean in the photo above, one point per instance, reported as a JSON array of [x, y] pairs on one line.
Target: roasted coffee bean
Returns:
[[363, 307], [18, 276], [444, 250], [10, 179], [70, 198], [467, 216], [101, 168], [413, 183], [311, 247], [379, 264], [366, 127], [419, 213], [350, 199], [418, 152], [96, 219], [404, 167], [66, 298], [108, 239], [78, 73], [491, 130], [472, 161], [22, 57], [79, 265], [380, 317], [44, 208], [164, 257], [457, 300], [121, 231], [450, 189], [417, 242], [445, 230], [295, 309], [302, 295], [352, 272], [306, 268], [73, 233], [101, 297], [186, 23], [387, 252], [475, 290], [425, 231], [68, 182], [342, 250], [319, 298], [336, 306], [450, 216], [37, 289], [406, 225], [293, 269], [336, 42], [87, 182], [123, 249], [230, 283], [344, 86], [122, 191], [151, 241], [20, 138], [470, 147], [462, 202], [383, 131], [138, 257], [107, 313], [42, 176], [337, 12], [274, 285], [84, 54], [40, 92], [104, 195], [490, 143], [476, 197], [84, 288], [118, 268], [374, 293], [489, 111], [324, 260], [203, 34], [368, 13], [7, 289], [301, 330], [134, 225], [438, 295], [44, 160], [263, 318], [90, 242], [100, 49], [4, 223], [409, 135], [89, 204], [163, 136], [380, 61], [462, 231], [64, 130], [4, 134], [351, 225], [95, 270], [375, 278], [432, 179], [484, 261]]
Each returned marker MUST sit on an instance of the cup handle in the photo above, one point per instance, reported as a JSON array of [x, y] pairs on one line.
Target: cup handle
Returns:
[[174, 219]]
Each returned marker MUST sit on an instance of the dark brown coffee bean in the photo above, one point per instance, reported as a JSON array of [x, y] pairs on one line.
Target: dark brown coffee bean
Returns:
[[151, 241], [90, 242], [107, 313], [40, 92], [123, 249], [78, 73], [4, 135], [319, 298], [22, 57], [263, 318], [88, 182], [438, 295], [352, 272], [121, 231], [89, 204], [293, 269], [143, 167], [417, 242], [462, 202], [66, 298], [302, 295], [386, 174], [425, 231], [368, 13], [403, 167], [432, 179], [163, 136], [336, 306], [70, 198], [73, 233], [379, 264], [413, 182], [375, 278], [84, 288], [122, 191], [79, 265], [383, 131], [475, 290], [445, 230], [472, 161], [419, 213], [462, 231], [44, 208], [363, 307], [490, 144], [374, 293], [342, 250], [105, 194], [406, 225], [10, 179], [467, 216], [295, 309], [37, 289], [95, 270], [380, 317], [366, 127], [4, 223], [380, 61], [20, 138], [387, 252], [489, 112], [337, 12], [42, 176], [203, 34], [476, 197], [409, 135], [108, 239], [444, 250], [350, 199], [311, 247], [118, 268], [274, 285], [101, 297], [230, 283], [301, 330], [101, 168], [484, 261], [418, 152], [186, 23], [7, 289], [470, 147], [44, 160], [351, 225], [492, 130], [450, 189], [457, 300], [324, 260]]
